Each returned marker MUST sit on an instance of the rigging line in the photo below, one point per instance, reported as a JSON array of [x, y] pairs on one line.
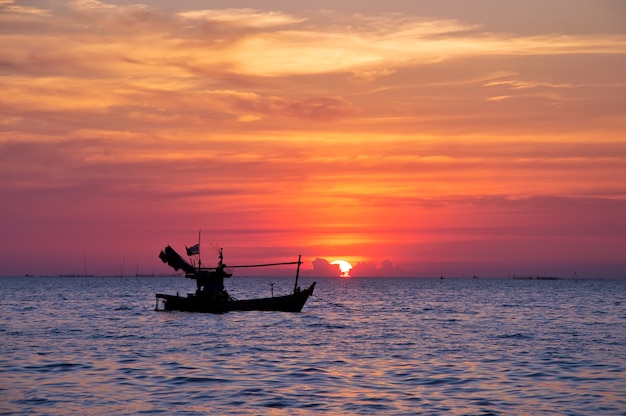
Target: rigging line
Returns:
[[263, 265], [337, 304], [235, 266]]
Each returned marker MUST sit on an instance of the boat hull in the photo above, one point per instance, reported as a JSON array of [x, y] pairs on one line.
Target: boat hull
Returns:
[[288, 303]]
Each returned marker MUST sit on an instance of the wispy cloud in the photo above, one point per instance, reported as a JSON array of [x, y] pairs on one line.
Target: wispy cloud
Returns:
[[243, 17], [518, 84], [274, 43], [9, 6]]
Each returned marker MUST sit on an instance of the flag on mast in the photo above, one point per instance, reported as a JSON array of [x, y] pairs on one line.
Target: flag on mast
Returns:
[[195, 249]]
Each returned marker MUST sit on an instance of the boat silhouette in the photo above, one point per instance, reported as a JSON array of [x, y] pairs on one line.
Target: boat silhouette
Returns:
[[210, 295]]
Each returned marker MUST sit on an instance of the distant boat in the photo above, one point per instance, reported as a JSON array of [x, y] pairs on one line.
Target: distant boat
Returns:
[[210, 295]]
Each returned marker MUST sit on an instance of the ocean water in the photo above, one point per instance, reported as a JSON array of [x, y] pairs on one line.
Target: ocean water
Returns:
[[95, 346]]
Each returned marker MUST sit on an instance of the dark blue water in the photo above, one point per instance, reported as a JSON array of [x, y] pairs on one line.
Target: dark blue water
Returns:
[[93, 345]]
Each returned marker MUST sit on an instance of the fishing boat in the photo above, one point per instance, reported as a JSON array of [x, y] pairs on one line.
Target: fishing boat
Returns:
[[210, 295]]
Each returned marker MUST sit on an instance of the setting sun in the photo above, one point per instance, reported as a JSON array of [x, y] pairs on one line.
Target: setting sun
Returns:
[[344, 266]]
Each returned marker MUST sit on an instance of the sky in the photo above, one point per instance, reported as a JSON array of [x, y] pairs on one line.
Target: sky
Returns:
[[409, 138]]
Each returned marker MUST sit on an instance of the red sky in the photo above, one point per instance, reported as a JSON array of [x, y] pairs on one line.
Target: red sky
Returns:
[[447, 137]]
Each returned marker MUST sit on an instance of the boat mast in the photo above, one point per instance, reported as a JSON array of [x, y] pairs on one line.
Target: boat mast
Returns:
[[199, 260]]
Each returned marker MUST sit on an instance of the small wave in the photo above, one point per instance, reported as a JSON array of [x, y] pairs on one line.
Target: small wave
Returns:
[[196, 380], [57, 367], [367, 407], [514, 336], [328, 326], [312, 370], [429, 381], [277, 404], [39, 401], [253, 391]]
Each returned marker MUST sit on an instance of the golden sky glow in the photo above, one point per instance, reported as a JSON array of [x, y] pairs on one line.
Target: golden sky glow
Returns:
[[444, 138]]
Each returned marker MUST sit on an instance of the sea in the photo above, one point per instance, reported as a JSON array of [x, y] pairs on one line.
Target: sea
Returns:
[[360, 346]]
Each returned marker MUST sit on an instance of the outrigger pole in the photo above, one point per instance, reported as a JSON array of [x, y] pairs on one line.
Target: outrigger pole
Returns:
[[295, 286]]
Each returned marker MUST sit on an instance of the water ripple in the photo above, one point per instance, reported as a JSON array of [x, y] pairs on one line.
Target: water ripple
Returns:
[[486, 347]]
